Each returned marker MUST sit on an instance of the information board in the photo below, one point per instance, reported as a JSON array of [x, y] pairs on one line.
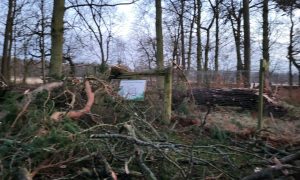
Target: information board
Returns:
[[133, 89]]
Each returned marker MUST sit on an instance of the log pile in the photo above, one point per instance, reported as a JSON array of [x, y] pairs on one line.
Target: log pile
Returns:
[[247, 99]]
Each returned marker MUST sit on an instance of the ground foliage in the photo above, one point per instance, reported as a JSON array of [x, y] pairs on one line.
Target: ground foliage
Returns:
[[126, 140]]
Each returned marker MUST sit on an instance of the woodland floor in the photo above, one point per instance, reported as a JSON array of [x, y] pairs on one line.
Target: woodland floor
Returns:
[[126, 140]]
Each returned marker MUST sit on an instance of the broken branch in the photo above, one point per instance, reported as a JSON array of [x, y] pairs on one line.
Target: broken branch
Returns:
[[56, 116]]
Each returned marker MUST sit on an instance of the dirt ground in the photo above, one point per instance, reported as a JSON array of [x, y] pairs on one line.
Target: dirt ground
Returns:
[[277, 131]]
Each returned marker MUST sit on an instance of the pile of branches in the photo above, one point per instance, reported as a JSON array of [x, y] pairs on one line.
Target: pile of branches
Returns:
[[53, 133]]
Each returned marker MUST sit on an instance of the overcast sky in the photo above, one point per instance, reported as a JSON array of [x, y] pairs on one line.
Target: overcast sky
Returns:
[[129, 26]]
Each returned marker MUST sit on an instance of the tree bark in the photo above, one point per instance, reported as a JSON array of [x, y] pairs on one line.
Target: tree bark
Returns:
[[207, 45], [237, 39], [182, 38], [159, 35], [57, 29], [247, 44], [199, 44], [217, 10], [206, 49], [189, 53], [265, 44], [42, 41], [290, 48], [8, 37]]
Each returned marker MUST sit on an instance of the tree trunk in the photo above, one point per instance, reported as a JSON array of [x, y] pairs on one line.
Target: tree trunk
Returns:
[[42, 41], [175, 51], [237, 39], [199, 44], [159, 35], [26, 70], [189, 53], [26, 62], [182, 38], [7, 45], [265, 45], [290, 49], [206, 50], [57, 29], [217, 36], [207, 45], [247, 44], [299, 77], [15, 61]]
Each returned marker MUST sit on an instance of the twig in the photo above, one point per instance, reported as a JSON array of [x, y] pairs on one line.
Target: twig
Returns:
[[146, 170], [150, 126], [210, 164], [290, 158], [71, 104], [31, 95], [97, 126], [108, 168], [279, 167], [134, 140], [174, 163], [45, 165], [126, 165], [44, 105], [24, 174]]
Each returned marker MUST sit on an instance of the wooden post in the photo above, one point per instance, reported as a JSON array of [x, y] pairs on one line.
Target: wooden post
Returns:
[[261, 89], [167, 96]]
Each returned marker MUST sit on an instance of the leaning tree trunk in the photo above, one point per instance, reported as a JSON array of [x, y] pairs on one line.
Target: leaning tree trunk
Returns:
[[57, 29]]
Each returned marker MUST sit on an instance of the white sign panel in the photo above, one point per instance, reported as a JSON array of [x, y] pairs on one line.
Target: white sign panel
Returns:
[[133, 89]]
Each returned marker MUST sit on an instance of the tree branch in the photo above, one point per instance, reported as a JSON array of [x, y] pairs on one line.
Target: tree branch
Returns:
[[100, 5]]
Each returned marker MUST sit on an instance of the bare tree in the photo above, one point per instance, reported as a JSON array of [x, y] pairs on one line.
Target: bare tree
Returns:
[[207, 47], [294, 38], [93, 18], [235, 17]]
